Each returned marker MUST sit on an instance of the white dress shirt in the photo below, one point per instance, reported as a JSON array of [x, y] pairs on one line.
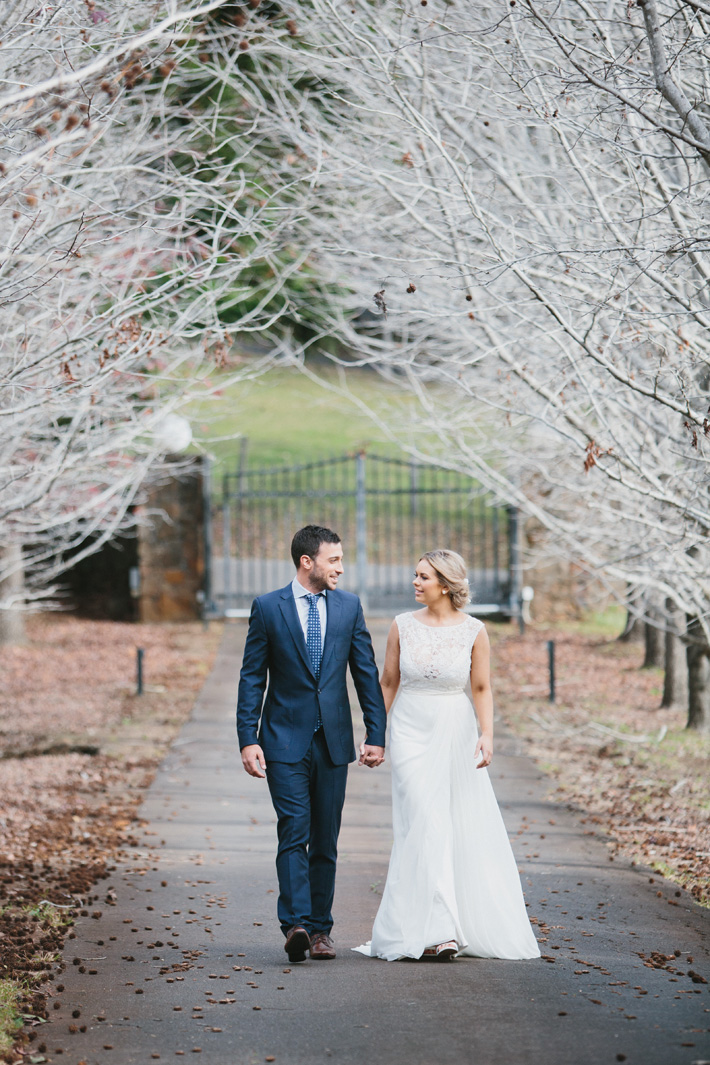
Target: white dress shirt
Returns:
[[299, 595]]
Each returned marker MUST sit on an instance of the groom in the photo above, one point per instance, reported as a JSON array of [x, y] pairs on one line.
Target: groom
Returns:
[[303, 637]]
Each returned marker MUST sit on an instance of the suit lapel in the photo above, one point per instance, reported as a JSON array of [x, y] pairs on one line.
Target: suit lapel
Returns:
[[332, 625], [290, 615]]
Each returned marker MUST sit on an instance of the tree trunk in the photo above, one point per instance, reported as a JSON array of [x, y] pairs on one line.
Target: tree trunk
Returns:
[[698, 652], [675, 684], [633, 629], [12, 615], [653, 637]]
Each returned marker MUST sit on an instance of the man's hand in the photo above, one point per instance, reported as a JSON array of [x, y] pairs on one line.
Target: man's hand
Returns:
[[371, 756], [253, 760]]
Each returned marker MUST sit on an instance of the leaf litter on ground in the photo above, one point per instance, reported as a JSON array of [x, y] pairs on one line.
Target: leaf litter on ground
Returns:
[[633, 769], [77, 749]]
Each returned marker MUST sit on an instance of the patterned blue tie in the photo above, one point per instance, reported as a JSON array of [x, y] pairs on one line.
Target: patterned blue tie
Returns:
[[314, 642]]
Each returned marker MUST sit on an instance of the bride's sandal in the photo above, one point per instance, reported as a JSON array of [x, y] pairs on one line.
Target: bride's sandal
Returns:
[[446, 951]]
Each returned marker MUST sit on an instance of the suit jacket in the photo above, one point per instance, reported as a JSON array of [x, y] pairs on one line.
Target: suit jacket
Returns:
[[276, 649]]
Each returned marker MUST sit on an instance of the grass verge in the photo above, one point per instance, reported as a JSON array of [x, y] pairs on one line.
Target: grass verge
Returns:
[[10, 1014]]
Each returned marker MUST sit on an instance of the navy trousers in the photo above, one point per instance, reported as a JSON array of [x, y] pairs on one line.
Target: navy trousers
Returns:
[[308, 798]]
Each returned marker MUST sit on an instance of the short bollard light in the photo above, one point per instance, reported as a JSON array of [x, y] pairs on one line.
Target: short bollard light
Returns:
[[551, 664], [527, 594], [139, 670]]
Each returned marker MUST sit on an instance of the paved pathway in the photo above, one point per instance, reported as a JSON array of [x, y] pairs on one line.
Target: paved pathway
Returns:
[[189, 961]]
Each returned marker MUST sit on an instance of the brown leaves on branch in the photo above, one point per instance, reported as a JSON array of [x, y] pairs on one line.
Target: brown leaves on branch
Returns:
[[694, 433], [593, 451], [379, 299]]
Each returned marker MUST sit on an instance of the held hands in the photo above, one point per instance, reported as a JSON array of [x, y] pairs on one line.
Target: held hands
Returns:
[[484, 747], [371, 756], [253, 760]]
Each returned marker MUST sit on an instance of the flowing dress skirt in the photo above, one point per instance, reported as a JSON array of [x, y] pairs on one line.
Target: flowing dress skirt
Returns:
[[452, 874]]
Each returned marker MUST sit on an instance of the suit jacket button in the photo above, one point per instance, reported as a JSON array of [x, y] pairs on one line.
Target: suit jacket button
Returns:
[[319, 691]]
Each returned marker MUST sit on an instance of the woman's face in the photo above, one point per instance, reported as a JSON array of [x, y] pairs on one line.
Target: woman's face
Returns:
[[427, 586]]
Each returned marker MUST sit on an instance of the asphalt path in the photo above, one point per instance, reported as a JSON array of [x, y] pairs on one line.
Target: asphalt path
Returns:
[[180, 954]]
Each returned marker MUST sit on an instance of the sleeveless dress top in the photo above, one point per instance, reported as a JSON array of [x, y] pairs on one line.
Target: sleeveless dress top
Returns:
[[435, 659]]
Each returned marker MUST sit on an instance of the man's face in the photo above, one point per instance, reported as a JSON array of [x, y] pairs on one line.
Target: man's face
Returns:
[[326, 567]]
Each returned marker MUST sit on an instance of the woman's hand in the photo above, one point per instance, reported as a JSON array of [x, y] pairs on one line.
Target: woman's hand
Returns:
[[484, 747]]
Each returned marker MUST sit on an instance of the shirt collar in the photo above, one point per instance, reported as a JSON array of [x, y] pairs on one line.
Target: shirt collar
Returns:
[[299, 591]]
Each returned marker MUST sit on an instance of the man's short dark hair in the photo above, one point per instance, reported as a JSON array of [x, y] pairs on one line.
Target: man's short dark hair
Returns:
[[307, 541]]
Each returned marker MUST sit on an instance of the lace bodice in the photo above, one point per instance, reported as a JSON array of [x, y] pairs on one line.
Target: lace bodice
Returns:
[[436, 659]]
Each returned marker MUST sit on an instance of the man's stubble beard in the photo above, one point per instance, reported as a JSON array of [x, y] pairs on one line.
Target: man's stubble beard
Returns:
[[319, 582]]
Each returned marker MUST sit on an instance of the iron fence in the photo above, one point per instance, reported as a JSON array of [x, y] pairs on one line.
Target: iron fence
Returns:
[[388, 511]]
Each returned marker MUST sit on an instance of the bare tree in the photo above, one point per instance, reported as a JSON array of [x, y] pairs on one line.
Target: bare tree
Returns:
[[128, 232], [520, 196]]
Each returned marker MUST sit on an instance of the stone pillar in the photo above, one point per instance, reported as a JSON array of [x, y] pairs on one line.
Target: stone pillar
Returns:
[[171, 546]]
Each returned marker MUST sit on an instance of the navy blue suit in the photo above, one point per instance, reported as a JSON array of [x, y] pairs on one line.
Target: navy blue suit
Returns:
[[306, 770]]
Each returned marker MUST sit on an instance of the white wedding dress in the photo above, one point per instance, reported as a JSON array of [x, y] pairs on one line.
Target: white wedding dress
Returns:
[[452, 874]]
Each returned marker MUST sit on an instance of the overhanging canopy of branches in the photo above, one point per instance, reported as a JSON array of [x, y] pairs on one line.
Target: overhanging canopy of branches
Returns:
[[135, 226], [524, 188]]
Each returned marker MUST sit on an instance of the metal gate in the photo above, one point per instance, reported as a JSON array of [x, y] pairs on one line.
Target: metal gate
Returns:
[[388, 511]]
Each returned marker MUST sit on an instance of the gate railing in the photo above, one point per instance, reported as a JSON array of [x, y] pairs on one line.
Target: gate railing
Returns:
[[388, 511]]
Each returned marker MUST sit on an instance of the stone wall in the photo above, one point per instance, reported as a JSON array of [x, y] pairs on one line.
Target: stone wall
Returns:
[[171, 553]]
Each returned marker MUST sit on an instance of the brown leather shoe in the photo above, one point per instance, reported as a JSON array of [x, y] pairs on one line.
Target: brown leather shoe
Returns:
[[297, 943], [321, 946]]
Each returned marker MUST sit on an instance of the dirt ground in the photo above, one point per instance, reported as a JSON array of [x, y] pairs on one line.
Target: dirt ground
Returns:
[[77, 748], [641, 776]]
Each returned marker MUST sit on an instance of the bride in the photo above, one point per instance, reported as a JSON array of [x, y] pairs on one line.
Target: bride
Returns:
[[453, 885]]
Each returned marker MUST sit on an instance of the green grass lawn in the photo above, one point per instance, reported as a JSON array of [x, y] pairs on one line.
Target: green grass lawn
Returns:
[[289, 419], [608, 622], [10, 1019]]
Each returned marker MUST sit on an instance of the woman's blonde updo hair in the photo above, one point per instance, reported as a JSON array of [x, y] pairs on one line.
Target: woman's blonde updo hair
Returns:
[[450, 568]]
